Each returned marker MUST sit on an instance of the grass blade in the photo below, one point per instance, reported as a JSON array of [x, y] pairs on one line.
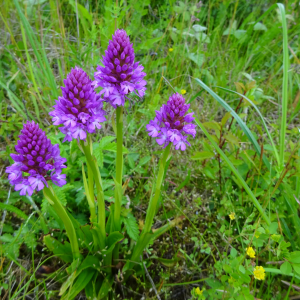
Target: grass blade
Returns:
[[284, 84], [244, 127], [16, 102], [262, 118], [32, 76], [41, 57], [235, 172]]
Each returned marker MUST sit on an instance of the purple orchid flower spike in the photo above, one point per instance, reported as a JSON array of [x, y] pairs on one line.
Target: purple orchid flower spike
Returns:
[[172, 124], [37, 161], [120, 75], [80, 108]]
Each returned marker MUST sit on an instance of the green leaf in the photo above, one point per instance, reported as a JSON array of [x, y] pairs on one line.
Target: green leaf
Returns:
[[132, 227], [199, 28], [130, 161], [99, 157], [113, 147], [61, 192], [80, 195], [111, 241], [232, 139], [233, 252], [186, 180], [242, 269], [197, 58], [167, 262], [239, 33], [273, 227], [13, 209], [296, 267], [67, 283], [144, 160], [212, 125], [106, 286], [82, 280], [6, 238], [286, 268], [89, 262], [203, 155], [295, 257], [148, 43], [106, 140], [29, 238], [63, 251], [277, 271], [142, 243], [227, 269], [86, 236], [246, 278], [88, 194], [260, 26]]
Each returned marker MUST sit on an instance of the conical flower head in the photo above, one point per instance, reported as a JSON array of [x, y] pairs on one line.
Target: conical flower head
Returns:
[[37, 161], [172, 123], [120, 75], [80, 109]]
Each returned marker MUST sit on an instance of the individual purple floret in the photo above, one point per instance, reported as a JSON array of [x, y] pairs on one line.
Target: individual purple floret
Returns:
[[120, 75], [37, 161], [80, 108], [172, 124]]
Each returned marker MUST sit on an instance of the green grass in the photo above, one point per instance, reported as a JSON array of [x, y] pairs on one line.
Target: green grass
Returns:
[[244, 159]]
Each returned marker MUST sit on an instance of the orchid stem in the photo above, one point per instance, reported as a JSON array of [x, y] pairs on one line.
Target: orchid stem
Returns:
[[92, 163], [91, 192], [153, 201], [118, 180], [62, 214], [119, 169]]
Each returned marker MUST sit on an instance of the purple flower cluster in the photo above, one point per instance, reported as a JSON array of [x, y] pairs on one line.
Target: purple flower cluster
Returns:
[[120, 75], [37, 161], [172, 124], [80, 108]]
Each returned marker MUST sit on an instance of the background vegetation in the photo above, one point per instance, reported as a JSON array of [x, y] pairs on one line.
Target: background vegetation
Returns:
[[245, 55]]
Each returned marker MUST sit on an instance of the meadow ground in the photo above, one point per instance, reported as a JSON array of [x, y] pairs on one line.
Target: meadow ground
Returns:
[[233, 194]]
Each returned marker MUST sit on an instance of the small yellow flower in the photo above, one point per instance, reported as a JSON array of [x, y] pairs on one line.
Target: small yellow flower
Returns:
[[183, 92], [251, 252], [259, 273], [198, 291], [171, 49], [232, 216]]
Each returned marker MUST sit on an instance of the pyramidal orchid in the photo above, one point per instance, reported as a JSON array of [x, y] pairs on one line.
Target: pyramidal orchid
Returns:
[[36, 162], [80, 109], [119, 75], [172, 124]]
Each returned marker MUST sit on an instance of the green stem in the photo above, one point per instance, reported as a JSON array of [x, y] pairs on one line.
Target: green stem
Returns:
[[118, 180], [153, 201], [146, 236], [119, 169], [89, 190], [91, 185], [92, 163], [284, 84], [60, 210]]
